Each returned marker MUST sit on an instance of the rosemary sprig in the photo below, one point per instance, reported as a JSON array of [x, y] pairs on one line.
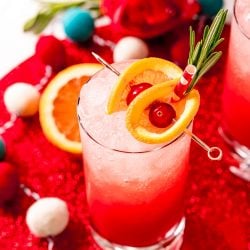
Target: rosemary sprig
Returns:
[[202, 54], [47, 12]]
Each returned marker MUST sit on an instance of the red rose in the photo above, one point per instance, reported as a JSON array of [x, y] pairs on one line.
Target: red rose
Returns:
[[150, 18]]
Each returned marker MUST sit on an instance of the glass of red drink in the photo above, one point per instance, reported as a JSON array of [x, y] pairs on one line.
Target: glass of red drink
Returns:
[[134, 191], [236, 96]]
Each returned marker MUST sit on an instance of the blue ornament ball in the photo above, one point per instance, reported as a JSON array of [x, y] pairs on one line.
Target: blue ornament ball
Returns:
[[211, 7], [2, 149], [78, 24]]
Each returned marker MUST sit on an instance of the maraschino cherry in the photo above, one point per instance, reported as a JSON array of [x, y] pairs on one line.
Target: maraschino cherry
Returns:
[[136, 90], [161, 114]]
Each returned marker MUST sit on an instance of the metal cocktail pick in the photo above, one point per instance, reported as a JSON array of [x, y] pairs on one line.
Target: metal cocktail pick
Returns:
[[214, 153]]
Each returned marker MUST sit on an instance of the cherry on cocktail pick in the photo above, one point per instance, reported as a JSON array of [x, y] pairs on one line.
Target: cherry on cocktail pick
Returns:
[[214, 153], [161, 114], [136, 90]]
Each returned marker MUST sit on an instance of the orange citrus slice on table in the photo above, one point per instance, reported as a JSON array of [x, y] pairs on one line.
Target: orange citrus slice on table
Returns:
[[57, 108], [163, 75]]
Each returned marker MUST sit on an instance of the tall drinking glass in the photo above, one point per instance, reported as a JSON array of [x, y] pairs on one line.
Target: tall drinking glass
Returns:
[[236, 96], [134, 190]]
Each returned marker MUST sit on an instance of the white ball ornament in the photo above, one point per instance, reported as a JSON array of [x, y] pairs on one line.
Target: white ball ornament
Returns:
[[47, 217], [130, 47], [22, 99]]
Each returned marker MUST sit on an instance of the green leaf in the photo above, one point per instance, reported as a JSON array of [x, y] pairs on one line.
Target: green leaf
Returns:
[[191, 44], [213, 29], [29, 24], [43, 19], [217, 43], [210, 38], [40, 21], [201, 55], [222, 23], [210, 62], [196, 53], [205, 32], [62, 6]]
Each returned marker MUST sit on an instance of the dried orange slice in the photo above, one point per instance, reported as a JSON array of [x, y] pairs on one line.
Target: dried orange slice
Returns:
[[152, 70], [57, 109], [137, 118]]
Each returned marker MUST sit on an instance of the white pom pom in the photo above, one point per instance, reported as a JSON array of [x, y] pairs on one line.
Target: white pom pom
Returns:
[[130, 48], [47, 217], [22, 99]]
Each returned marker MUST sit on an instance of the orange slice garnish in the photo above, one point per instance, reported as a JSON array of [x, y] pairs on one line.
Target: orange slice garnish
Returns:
[[163, 75], [152, 70], [57, 109], [137, 118]]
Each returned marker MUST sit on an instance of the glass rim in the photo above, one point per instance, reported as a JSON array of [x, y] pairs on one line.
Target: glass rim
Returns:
[[125, 151], [237, 21]]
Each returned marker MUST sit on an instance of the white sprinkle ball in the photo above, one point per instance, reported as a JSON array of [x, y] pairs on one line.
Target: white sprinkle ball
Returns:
[[130, 47], [22, 99], [47, 217]]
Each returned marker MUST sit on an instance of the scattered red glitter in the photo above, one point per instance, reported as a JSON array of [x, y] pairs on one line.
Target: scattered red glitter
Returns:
[[217, 203]]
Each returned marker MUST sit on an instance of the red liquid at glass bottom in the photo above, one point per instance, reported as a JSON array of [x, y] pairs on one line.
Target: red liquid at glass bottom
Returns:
[[236, 96], [136, 224], [236, 109]]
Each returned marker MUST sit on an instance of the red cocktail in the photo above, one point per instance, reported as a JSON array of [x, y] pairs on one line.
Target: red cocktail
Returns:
[[236, 96], [134, 190]]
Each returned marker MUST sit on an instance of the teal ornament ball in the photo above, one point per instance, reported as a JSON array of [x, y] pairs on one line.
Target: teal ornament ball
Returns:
[[211, 7], [2, 149], [78, 24]]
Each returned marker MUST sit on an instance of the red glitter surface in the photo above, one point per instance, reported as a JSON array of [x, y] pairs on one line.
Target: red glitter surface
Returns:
[[217, 203]]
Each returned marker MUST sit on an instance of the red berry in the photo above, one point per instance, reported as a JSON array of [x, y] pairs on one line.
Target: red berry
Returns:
[[8, 182], [161, 114], [135, 90], [51, 52]]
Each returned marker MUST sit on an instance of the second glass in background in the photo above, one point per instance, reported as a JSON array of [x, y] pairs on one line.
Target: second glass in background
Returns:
[[236, 96]]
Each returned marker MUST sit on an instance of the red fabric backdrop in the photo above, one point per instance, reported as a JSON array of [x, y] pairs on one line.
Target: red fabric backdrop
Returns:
[[217, 203]]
